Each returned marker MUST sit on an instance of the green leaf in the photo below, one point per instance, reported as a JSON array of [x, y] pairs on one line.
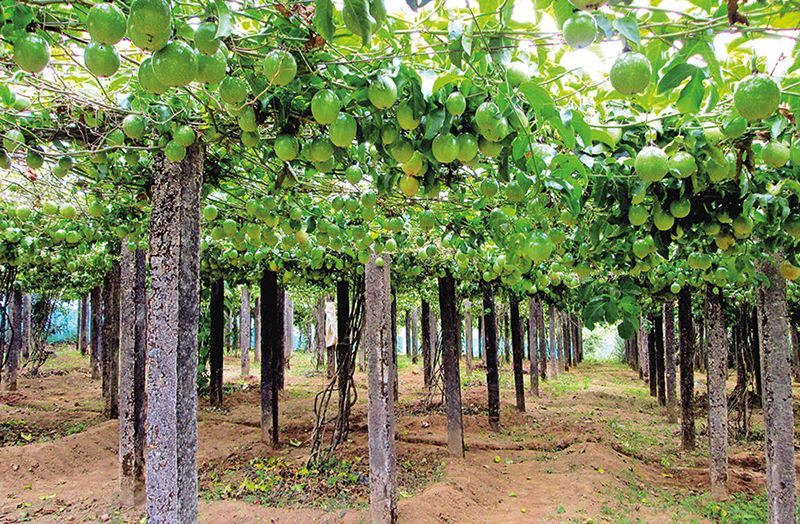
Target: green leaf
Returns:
[[323, 19], [433, 123], [538, 97], [629, 28], [224, 19], [692, 95], [377, 9], [673, 77], [358, 20], [445, 78], [581, 127]]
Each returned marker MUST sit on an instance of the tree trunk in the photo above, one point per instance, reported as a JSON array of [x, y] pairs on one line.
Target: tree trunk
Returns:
[[481, 342], [551, 317], [173, 316], [777, 395], [490, 350], [517, 352], [414, 336], [644, 352], [427, 344], [82, 324], [319, 331], [111, 307], [14, 348], [344, 360], [533, 349], [565, 343], [380, 415], [27, 324], [217, 338], [717, 397], [271, 351], [506, 339], [288, 332], [330, 351], [395, 378], [407, 334], [795, 336], [96, 353], [660, 364], [669, 360], [257, 329], [687, 341], [652, 373], [132, 349], [452, 376], [468, 334], [244, 331]]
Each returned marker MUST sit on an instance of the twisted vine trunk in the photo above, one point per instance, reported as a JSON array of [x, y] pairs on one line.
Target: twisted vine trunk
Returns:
[[517, 351], [490, 350], [777, 394], [717, 398], [452, 375], [173, 316], [380, 414]]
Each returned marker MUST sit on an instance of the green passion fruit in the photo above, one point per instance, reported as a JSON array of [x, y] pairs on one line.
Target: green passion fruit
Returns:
[[382, 92], [31, 53], [150, 24], [343, 130], [211, 69], [175, 64], [101, 60], [280, 67], [580, 30], [445, 148], [325, 106], [286, 147], [147, 78], [456, 104], [756, 97], [775, 154], [106, 23], [205, 38], [651, 164], [631, 73], [683, 164]]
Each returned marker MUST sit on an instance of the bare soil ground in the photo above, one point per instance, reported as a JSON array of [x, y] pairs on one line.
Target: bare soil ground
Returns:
[[593, 448]]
